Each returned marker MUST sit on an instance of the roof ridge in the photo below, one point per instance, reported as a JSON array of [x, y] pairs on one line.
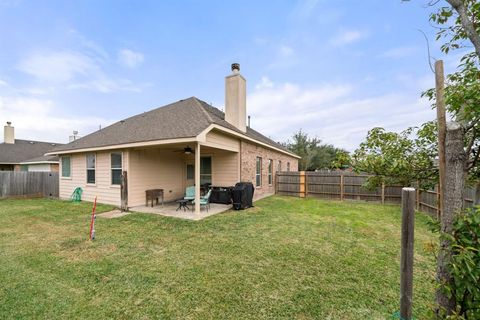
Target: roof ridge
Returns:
[[205, 112]]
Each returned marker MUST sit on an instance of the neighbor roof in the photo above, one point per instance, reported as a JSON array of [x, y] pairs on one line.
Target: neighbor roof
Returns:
[[41, 159], [182, 119], [22, 150]]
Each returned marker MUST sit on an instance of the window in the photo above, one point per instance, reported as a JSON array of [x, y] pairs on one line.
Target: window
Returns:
[[190, 172], [66, 167], [205, 170], [279, 165], [258, 175], [116, 167], [23, 167], [91, 168], [270, 165], [288, 166]]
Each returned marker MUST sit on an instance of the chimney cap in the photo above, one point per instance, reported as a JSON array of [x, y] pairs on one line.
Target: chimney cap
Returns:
[[235, 66], [9, 123]]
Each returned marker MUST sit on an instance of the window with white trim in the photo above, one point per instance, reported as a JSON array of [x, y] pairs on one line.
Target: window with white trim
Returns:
[[279, 165], [116, 168], [91, 158], [258, 172], [66, 170], [270, 169]]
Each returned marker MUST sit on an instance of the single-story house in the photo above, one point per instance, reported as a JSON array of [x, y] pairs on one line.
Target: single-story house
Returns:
[[185, 143], [26, 155]]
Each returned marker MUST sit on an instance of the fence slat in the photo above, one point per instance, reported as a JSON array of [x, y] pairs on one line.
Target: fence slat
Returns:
[[28, 184]]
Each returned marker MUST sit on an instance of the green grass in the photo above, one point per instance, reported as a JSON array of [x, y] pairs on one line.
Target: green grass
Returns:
[[287, 258]]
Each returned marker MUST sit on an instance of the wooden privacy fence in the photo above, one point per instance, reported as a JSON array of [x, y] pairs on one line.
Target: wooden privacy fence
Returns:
[[28, 184], [349, 186]]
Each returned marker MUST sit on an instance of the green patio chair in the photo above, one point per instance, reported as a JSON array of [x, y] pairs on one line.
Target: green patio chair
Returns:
[[189, 193], [204, 201]]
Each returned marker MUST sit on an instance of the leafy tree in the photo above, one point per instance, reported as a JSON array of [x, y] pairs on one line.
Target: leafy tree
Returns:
[[315, 155], [459, 26], [398, 158]]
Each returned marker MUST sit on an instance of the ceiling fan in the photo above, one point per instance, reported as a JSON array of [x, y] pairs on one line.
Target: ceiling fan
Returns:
[[186, 150]]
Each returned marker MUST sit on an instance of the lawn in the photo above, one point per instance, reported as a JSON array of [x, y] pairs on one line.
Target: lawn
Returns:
[[287, 258]]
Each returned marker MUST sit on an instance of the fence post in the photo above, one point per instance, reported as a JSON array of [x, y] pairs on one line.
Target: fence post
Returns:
[[439, 206], [342, 186], [418, 196], [406, 259], [302, 184], [383, 192], [124, 192]]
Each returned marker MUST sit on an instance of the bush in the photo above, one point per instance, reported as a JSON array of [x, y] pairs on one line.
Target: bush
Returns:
[[465, 264]]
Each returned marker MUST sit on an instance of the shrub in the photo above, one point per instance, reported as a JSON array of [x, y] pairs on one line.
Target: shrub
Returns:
[[465, 264]]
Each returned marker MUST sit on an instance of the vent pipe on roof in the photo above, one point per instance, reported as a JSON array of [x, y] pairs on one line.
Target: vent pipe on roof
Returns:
[[9, 133], [73, 137], [236, 99], [249, 121]]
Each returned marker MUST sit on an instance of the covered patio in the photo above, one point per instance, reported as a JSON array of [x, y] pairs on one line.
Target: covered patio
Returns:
[[176, 166]]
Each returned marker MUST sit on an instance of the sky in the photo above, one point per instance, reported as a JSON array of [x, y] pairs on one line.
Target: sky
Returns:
[[333, 69]]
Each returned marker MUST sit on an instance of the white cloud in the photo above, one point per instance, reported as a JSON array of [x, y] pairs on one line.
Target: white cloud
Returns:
[[129, 58], [57, 66], [286, 51], [348, 36], [331, 112], [265, 83], [40, 119], [399, 52], [73, 70], [3, 83]]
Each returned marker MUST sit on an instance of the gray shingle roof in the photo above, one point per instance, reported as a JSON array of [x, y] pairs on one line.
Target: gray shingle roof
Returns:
[[23, 150], [182, 119], [42, 159]]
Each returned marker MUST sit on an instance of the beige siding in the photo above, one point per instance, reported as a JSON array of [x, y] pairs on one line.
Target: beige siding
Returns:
[[225, 168], [152, 169], [222, 141], [102, 189]]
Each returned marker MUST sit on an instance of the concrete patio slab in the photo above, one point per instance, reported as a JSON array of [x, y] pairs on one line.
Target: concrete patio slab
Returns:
[[170, 210]]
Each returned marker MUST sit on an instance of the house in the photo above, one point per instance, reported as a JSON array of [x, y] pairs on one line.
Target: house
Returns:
[[25, 155], [185, 143]]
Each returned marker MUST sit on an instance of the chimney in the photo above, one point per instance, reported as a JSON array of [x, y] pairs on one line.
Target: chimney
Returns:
[[236, 99], [9, 133]]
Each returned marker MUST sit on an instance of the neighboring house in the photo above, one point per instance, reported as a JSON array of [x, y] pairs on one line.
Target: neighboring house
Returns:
[[25, 155], [185, 143]]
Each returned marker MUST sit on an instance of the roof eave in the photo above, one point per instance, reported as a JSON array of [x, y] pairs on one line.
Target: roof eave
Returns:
[[124, 146]]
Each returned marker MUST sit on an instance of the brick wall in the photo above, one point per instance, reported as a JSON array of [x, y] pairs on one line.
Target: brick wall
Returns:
[[249, 154]]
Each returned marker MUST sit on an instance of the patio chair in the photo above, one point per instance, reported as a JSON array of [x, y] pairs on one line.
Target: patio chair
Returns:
[[204, 201], [189, 193]]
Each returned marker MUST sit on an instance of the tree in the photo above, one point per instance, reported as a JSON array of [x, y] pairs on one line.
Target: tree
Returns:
[[458, 24], [398, 158], [315, 155]]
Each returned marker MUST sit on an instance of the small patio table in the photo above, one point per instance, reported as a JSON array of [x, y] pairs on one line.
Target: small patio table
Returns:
[[182, 204], [153, 194]]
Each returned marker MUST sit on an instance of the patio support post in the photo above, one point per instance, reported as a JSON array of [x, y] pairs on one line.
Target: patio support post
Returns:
[[197, 179]]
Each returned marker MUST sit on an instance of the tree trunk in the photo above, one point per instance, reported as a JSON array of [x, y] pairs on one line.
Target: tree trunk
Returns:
[[452, 203]]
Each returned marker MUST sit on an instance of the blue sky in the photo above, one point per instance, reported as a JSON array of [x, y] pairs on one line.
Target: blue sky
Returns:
[[332, 68]]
